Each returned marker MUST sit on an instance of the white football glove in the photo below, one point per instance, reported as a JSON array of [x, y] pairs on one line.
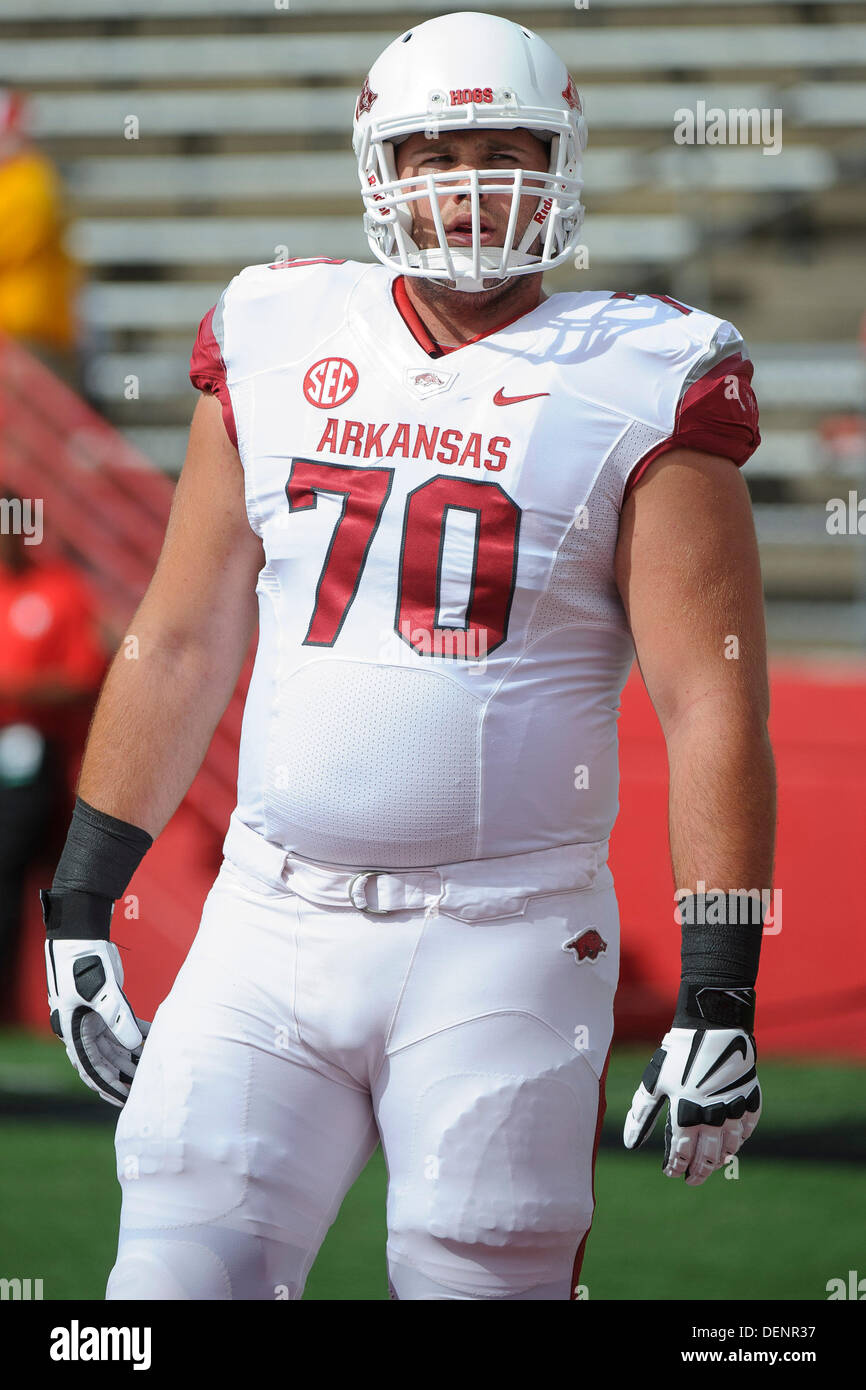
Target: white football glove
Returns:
[[709, 1078], [91, 1015]]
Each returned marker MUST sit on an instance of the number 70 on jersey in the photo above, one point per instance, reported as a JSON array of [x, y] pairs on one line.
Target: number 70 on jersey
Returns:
[[488, 579]]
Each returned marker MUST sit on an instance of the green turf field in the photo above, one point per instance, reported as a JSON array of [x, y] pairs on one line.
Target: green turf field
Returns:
[[784, 1227]]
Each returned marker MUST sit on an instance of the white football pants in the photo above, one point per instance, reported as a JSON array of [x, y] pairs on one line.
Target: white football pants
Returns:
[[464, 1032]]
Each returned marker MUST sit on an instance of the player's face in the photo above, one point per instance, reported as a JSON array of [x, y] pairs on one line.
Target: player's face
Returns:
[[453, 152]]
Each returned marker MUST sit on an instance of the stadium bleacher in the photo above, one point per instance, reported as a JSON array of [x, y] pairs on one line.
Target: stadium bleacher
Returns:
[[240, 121]]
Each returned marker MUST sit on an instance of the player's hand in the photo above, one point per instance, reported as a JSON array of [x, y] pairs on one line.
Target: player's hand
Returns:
[[708, 1077], [91, 1015]]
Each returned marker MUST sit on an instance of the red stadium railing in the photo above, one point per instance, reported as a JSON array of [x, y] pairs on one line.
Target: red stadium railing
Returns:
[[106, 509]]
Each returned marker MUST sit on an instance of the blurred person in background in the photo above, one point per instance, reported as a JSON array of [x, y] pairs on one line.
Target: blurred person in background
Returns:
[[38, 279], [52, 661]]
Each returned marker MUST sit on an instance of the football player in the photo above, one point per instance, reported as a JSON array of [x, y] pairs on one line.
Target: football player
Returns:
[[458, 507]]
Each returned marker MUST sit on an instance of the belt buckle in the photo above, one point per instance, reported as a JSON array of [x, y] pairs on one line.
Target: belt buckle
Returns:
[[374, 911]]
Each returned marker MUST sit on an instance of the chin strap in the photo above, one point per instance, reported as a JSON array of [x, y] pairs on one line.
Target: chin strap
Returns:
[[435, 259]]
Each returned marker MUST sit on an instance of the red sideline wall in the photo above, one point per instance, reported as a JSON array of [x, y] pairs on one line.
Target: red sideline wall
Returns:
[[812, 981], [812, 985]]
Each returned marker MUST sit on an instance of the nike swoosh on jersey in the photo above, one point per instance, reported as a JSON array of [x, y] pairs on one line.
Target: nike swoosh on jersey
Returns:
[[500, 399]]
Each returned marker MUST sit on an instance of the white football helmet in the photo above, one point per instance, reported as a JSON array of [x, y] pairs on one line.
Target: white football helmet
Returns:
[[470, 71]]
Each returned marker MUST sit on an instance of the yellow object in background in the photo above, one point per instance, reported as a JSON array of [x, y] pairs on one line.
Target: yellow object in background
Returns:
[[37, 278]]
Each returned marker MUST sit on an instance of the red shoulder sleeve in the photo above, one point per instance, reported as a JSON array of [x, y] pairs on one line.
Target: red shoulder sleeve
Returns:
[[207, 371], [717, 413]]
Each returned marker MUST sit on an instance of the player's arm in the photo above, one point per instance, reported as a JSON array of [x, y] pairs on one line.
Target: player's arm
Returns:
[[688, 570], [164, 695]]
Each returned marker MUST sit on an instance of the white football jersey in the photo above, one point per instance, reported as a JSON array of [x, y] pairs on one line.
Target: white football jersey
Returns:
[[442, 645]]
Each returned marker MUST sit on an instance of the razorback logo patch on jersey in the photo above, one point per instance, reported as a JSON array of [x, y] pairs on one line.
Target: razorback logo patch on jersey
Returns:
[[330, 382], [587, 945], [425, 381]]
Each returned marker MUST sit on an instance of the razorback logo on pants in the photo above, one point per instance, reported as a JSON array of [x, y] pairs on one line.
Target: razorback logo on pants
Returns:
[[587, 945]]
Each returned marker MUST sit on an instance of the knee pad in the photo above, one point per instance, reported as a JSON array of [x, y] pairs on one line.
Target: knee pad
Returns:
[[408, 1283], [208, 1264], [169, 1270], [501, 1194], [508, 1166]]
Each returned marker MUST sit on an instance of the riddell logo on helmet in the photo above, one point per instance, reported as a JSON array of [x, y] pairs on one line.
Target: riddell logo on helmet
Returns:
[[378, 197], [541, 215], [330, 382], [461, 96]]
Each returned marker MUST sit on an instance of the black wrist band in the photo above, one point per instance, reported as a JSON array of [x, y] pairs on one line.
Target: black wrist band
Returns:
[[721, 941], [721, 948], [715, 1006], [73, 916], [100, 855]]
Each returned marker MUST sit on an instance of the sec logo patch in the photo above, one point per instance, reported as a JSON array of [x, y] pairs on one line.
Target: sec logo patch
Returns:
[[330, 382]]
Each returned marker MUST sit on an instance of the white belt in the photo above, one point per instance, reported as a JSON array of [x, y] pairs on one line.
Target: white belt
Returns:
[[471, 890]]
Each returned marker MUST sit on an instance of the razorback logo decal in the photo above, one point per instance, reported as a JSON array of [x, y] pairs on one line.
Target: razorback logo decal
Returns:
[[428, 379], [365, 99], [571, 94], [425, 381], [587, 945]]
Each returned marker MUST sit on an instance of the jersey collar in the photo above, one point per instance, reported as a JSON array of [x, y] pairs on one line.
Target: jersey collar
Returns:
[[415, 326]]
